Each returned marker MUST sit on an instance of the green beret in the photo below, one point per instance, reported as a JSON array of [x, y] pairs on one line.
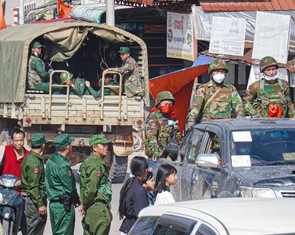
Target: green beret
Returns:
[[98, 139], [38, 139], [37, 44], [124, 50], [62, 141]]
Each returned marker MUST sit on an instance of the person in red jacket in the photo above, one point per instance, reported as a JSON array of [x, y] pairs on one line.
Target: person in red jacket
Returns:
[[13, 158]]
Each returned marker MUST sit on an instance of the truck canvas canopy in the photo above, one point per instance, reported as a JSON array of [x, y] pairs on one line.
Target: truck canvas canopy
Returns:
[[65, 39]]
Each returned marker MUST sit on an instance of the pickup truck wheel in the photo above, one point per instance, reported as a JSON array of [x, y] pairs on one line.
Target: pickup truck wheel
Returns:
[[118, 169]]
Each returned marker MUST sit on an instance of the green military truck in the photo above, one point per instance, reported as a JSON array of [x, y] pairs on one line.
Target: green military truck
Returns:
[[79, 116]]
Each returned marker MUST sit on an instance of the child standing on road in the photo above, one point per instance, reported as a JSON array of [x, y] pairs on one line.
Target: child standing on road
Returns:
[[133, 195], [166, 176], [148, 183]]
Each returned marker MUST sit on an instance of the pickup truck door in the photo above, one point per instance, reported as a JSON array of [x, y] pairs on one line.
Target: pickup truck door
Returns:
[[198, 180]]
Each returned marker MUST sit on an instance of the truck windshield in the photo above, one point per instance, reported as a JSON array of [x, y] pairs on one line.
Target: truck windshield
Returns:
[[262, 147]]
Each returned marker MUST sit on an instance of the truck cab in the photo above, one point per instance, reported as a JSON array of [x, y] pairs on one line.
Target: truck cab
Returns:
[[237, 158]]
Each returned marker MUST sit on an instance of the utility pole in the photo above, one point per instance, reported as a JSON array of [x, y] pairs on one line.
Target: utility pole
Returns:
[[110, 12], [21, 12], [4, 6]]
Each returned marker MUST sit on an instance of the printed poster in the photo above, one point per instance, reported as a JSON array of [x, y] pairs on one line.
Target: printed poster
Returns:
[[227, 36], [180, 43], [272, 36]]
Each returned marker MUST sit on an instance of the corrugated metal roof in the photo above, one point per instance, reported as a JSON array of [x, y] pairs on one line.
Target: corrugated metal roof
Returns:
[[247, 5], [247, 58]]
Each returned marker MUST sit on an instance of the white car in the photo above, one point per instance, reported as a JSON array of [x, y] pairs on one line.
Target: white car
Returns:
[[218, 216]]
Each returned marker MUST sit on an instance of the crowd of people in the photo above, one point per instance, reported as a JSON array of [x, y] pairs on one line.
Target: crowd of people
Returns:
[[56, 184], [88, 79], [269, 97]]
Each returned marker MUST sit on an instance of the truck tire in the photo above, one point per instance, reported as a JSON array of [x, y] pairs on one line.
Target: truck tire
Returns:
[[119, 169]]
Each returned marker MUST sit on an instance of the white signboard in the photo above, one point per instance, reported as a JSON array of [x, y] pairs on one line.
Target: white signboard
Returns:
[[180, 42], [271, 36], [227, 36]]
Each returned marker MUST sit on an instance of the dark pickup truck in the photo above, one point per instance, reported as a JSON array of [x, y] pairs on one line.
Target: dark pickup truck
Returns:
[[237, 158]]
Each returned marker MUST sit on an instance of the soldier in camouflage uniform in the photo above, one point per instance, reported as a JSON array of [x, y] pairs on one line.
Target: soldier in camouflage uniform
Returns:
[[33, 186], [215, 99], [96, 189], [37, 76], [162, 126], [130, 72], [269, 97]]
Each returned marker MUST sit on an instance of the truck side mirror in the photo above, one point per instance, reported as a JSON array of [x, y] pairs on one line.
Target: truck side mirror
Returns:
[[208, 160]]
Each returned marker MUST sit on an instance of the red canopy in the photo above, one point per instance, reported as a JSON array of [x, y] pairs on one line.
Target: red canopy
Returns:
[[180, 84]]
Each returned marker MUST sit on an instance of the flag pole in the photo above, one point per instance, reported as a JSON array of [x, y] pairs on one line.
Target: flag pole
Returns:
[[21, 12], [110, 13]]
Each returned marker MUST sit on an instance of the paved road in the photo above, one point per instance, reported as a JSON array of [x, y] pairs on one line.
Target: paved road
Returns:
[[115, 223]]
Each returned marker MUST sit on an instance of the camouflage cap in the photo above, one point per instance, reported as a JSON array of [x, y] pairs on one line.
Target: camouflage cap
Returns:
[[98, 139], [164, 95], [124, 50], [217, 65], [37, 44], [62, 141], [38, 139], [266, 62]]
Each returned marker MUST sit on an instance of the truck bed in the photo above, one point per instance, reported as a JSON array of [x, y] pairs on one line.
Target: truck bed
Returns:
[[84, 110]]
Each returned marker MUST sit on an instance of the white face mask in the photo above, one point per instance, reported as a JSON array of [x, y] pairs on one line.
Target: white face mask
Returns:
[[219, 77], [270, 78]]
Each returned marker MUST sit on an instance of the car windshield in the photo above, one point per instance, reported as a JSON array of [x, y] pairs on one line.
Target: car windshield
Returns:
[[262, 147]]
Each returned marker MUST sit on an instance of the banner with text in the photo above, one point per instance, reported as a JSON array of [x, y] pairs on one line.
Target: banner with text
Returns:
[[272, 36], [227, 36], [180, 42]]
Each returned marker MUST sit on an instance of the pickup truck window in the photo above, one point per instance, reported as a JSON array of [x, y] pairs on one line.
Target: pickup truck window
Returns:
[[265, 147], [194, 143]]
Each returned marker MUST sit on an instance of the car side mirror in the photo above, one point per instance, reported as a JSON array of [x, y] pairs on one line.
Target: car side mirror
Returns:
[[208, 160]]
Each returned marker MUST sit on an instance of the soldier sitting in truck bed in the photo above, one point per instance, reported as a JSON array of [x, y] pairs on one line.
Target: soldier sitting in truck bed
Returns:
[[81, 87], [37, 76]]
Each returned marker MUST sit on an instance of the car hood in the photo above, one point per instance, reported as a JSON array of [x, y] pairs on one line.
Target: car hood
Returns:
[[268, 176]]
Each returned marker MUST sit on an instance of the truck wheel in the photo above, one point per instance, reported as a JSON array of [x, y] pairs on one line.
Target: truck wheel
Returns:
[[137, 141], [119, 169]]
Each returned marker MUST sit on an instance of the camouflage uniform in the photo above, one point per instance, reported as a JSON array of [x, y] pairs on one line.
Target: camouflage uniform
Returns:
[[160, 130], [263, 93], [132, 77], [227, 103]]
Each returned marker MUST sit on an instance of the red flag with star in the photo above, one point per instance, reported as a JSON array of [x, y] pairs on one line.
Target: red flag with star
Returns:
[[63, 10]]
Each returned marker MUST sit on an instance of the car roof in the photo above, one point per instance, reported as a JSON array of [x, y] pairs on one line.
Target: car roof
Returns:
[[238, 215], [250, 123]]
